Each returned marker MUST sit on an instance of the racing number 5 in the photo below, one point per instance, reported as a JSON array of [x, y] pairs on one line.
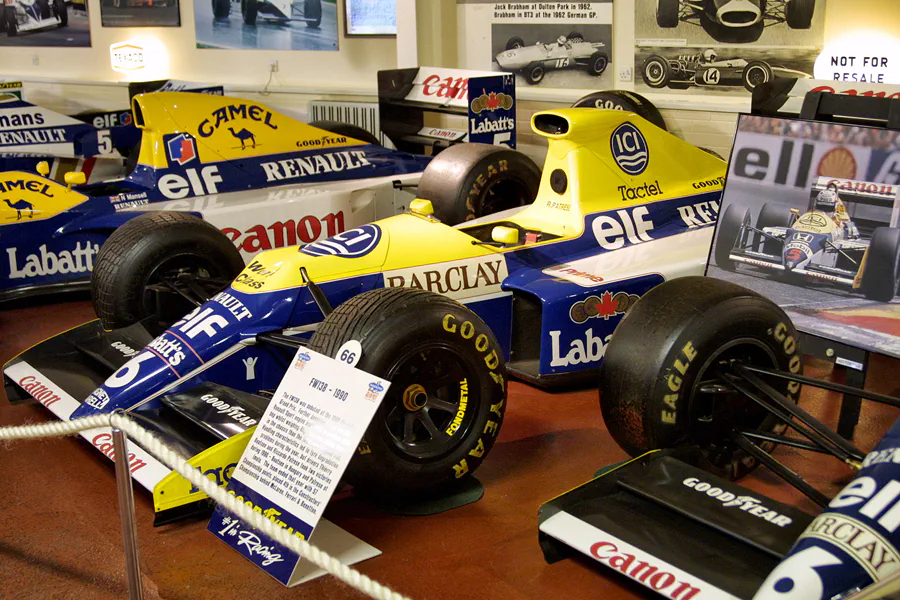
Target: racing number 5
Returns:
[[502, 139], [104, 142]]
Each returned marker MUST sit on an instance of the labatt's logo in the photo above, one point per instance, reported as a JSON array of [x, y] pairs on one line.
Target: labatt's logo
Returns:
[[488, 126], [229, 113], [589, 350], [491, 102], [46, 262]]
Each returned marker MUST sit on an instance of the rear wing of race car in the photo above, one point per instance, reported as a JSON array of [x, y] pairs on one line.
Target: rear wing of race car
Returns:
[[486, 100], [869, 204], [802, 97]]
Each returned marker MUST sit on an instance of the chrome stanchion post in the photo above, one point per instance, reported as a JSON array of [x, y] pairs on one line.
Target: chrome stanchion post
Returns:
[[126, 514]]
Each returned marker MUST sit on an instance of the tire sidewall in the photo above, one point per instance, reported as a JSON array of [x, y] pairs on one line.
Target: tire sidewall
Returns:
[[664, 76], [879, 280], [727, 233]]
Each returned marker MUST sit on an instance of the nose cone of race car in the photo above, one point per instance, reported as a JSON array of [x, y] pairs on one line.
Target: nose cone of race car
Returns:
[[738, 13], [513, 59], [794, 258]]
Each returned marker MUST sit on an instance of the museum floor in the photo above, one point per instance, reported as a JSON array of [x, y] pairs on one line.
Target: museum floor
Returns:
[[60, 535]]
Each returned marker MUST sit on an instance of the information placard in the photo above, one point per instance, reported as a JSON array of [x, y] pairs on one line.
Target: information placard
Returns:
[[296, 457]]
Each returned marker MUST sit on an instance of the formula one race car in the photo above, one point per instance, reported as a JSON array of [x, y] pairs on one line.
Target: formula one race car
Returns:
[[31, 15], [797, 14], [277, 10], [244, 168], [535, 292], [823, 244], [705, 69], [569, 51]]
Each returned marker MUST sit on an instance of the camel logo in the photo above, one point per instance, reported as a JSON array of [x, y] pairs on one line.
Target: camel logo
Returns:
[[244, 136], [182, 149], [19, 206], [232, 112], [491, 102]]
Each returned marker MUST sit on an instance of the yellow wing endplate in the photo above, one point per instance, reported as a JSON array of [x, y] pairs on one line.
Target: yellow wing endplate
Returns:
[[27, 197], [224, 128]]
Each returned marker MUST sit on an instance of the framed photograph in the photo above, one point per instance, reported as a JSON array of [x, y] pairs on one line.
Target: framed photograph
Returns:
[[810, 219], [140, 13], [370, 17]]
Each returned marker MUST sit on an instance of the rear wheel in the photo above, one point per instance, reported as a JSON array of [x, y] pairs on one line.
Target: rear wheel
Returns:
[[221, 8], [663, 382], [575, 37], [598, 64], [667, 13], [773, 215], [515, 42], [12, 25], [59, 7], [347, 129], [799, 13], [756, 73], [312, 11], [167, 249], [467, 181], [656, 71], [882, 270], [250, 9], [731, 232], [622, 100], [442, 413], [534, 73]]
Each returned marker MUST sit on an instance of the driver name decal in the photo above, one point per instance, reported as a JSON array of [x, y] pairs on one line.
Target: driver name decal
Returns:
[[457, 279]]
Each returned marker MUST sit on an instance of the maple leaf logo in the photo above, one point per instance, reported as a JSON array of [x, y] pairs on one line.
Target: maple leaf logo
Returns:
[[606, 308], [493, 102]]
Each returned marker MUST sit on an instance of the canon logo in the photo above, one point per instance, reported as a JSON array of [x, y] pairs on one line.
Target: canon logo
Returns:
[[643, 572], [104, 443], [448, 87], [39, 391]]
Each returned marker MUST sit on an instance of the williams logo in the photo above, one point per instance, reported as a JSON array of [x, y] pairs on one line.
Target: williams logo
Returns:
[[349, 244], [629, 149], [491, 102], [182, 149]]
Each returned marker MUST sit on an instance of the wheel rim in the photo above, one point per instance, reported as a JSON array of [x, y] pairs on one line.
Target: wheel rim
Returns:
[[655, 72], [425, 399], [537, 74], [504, 194], [756, 76], [713, 413], [600, 64], [192, 278]]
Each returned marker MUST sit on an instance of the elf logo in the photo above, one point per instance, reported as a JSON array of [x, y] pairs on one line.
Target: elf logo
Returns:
[[194, 183]]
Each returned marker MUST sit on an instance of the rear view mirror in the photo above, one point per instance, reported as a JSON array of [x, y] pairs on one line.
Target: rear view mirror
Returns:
[[505, 235], [75, 178], [43, 168], [421, 207]]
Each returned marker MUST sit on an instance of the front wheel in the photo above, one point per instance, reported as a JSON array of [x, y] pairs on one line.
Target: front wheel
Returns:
[[443, 410], [731, 232], [575, 37], [773, 215], [312, 12], [598, 64], [799, 13], [882, 265], [515, 42], [221, 8], [667, 13], [664, 378], [12, 24], [62, 13], [656, 71], [467, 181], [250, 9], [170, 249]]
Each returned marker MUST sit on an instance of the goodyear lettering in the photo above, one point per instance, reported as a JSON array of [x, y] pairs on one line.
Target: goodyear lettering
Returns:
[[674, 381], [748, 504], [647, 190], [318, 164], [236, 412], [589, 350], [321, 142], [461, 469], [32, 136], [709, 183], [124, 348], [46, 262], [642, 571], [103, 442], [37, 390], [15, 121], [285, 233], [700, 214], [226, 114], [463, 402], [34, 185], [466, 330]]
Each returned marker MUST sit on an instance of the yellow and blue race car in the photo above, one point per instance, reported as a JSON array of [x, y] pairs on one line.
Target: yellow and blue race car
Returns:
[[445, 313]]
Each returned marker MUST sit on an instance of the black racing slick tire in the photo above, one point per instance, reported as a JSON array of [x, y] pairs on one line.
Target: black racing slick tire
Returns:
[[443, 410], [662, 383], [515, 42], [773, 215], [598, 63], [656, 71], [667, 13], [756, 73], [882, 268], [149, 248], [221, 8], [622, 100], [467, 181], [312, 11], [799, 13], [12, 25], [59, 7], [347, 129], [730, 233], [534, 73], [250, 8], [575, 37]]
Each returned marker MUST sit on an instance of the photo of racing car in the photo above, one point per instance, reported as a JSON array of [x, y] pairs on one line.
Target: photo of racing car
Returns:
[[33, 15], [140, 13], [493, 297], [264, 179], [707, 69], [797, 14], [821, 244], [570, 51]]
